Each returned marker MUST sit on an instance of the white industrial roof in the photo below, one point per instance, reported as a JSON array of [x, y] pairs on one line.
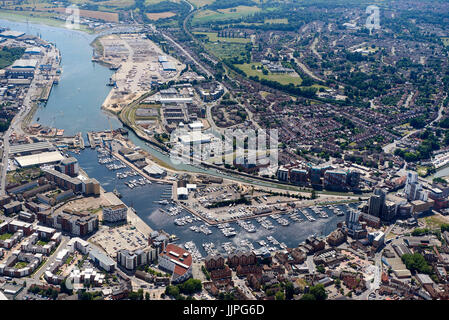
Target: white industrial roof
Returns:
[[40, 158], [153, 169], [33, 49], [12, 33], [25, 63], [196, 125], [168, 66], [194, 137]]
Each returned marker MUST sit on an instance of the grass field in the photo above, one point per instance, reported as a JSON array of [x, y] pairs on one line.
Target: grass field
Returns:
[[277, 21], [106, 3], [36, 17], [106, 16], [212, 36], [5, 236], [160, 15], [20, 265], [41, 243], [201, 3], [207, 16], [225, 50], [435, 221], [281, 78]]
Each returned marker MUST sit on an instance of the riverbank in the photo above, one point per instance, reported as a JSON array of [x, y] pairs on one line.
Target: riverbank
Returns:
[[20, 17]]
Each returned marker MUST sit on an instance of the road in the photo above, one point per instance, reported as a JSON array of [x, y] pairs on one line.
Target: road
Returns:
[[310, 264], [51, 259]]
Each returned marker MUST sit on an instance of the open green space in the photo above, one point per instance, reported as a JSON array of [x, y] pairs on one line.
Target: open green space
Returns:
[[41, 243], [20, 265], [225, 50], [209, 16], [276, 21], [284, 79], [9, 55], [213, 37], [35, 17], [5, 236]]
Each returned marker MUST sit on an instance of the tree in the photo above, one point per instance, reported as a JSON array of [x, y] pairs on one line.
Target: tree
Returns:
[[319, 292], [280, 295], [320, 268], [147, 296], [289, 290], [308, 297]]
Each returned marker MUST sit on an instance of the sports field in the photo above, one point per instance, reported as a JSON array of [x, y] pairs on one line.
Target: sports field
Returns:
[[284, 79]]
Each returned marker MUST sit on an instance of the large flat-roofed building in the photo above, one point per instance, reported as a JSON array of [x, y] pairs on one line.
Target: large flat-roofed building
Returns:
[[177, 261], [11, 34], [155, 171], [162, 59], [39, 159], [30, 148], [24, 63], [115, 213], [101, 259], [168, 66], [194, 137], [33, 51], [12, 207]]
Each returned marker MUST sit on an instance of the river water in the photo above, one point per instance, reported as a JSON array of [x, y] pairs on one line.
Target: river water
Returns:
[[74, 105]]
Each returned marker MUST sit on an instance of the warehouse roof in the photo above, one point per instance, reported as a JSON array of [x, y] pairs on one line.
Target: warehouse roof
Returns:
[[25, 63], [12, 34], [168, 66], [153, 169], [29, 147], [40, 158]]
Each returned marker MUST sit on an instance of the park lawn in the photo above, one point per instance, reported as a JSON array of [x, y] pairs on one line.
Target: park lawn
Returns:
[[276, 21], [5, 236], [284, 79], [212, 36], [225, 50], [208, 16]]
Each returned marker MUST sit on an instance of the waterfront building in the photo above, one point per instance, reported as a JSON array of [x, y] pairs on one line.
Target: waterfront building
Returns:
[[115, 213], [177, 261], [68, 166], [63, 181], [134, 259]]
